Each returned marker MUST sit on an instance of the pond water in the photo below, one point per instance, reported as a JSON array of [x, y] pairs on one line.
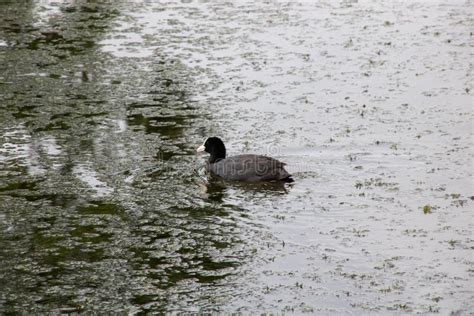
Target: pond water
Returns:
[[104, 205]]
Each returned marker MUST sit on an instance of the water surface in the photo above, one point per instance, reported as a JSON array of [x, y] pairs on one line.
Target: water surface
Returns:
[[104, 206]]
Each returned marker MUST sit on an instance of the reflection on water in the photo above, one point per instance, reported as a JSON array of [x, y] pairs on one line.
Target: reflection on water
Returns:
[[103, 206], [89, 177], [218, 190], [84, 224]]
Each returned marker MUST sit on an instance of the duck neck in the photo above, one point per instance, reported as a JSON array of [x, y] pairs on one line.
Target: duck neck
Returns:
[[216, 156]]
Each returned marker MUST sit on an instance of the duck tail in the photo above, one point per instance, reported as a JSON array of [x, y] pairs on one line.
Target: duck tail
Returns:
[[288, 179], [284, 176]]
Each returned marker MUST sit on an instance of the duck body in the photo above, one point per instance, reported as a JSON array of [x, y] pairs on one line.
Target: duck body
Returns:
[[249, 168]]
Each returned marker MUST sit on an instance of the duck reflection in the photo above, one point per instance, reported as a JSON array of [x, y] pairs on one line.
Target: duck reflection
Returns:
[[218, 190]]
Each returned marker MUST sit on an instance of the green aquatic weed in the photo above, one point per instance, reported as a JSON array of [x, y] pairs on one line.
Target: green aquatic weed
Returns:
[[427, 209]]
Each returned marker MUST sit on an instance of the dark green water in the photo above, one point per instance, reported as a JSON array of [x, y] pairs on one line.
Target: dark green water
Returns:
[[104, 206], [101, 208]]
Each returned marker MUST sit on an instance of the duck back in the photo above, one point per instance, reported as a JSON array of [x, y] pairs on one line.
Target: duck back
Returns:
[[250, 168]]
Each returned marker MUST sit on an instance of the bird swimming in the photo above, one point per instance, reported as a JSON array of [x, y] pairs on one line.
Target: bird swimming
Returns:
[[249, 168]]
